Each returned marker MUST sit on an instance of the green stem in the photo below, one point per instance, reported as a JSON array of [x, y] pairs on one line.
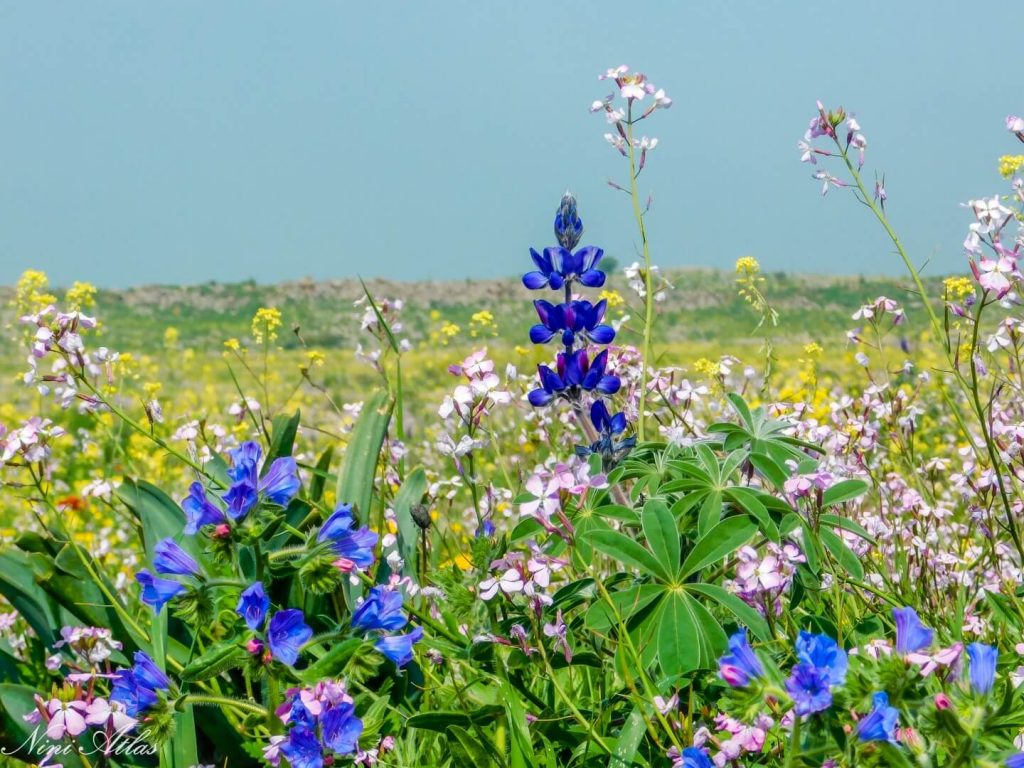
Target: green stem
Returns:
[[648, 279], [794, 742], [225, 701]]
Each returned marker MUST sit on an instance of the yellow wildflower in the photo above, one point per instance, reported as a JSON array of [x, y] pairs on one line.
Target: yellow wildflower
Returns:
[[1010, 164], [265, 323], [31, 294], [80, 296], [614, 298], [957, 288]]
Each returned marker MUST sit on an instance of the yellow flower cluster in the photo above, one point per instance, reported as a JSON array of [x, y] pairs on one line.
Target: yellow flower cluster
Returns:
[[449, 330], [957, 288], [813, 349], [315, 358], [482, 324], [747, 267], [1010, 164], [233, 345], [614, 298], [31, 294], [171, 337], [706, 367], [80, 296], [265, 323]]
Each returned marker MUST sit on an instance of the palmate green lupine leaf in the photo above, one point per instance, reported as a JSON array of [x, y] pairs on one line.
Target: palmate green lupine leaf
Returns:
[[629, 553], [844, 490], [845, 556], [725, 538], [662, 534], [745, 615], [359, 465]]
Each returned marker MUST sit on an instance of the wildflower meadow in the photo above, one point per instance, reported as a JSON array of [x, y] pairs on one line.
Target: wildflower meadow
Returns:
[[546, 526]]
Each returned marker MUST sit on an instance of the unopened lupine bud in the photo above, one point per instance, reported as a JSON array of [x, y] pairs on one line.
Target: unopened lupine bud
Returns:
[[568, 226]]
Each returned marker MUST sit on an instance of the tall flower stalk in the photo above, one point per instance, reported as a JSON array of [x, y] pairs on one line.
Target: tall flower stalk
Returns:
[[633, 88]]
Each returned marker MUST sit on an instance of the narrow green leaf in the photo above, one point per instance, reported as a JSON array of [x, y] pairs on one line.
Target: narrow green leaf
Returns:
[[473, 752], [770, 469], [835, 521], [678, 644], [710, 512], [662, 534], [842, 553], [410, 493], [747, 500], [630, 737], [515, 712], [282, 437], [844, 490], [628, 552], [741, 408], [745, 615], [723, 539]]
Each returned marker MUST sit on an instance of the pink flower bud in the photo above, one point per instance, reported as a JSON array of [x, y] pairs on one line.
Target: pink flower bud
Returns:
[[942, 701]]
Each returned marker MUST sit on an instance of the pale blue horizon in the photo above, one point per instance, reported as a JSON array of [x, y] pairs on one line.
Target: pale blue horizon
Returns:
[[190, 141]]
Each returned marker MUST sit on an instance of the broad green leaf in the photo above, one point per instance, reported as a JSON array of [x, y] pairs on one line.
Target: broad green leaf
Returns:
[[835, 521], [159, 516], [600, 618], [726, 537], [628, 553], [629, 740], [710, 633], [662, 534], [320, 475], [282, 438], [473, 753], [410, 493], [678, 644], [710, 512], [521, 744], [359, 466], [842, 553], [770, 469], [842, 491], [745, 615], [748, 501], [18, 585]]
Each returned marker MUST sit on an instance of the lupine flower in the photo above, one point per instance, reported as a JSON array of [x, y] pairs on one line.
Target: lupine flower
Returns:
[[287, 633], [302, 748], [568, 225], [170, 559], [740, 665], [354, 547], [1017, 760], [880, 724], [575, 373], [983, 666], [557, 266], [611, 450], [252, 605], [156, 591], [911, 635], [577, 319], [398, 648], [810, 689], [822, 652], [199, 510], [382, 609], [341, 728]]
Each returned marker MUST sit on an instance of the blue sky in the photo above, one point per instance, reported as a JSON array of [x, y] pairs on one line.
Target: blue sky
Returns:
[[190, 140]]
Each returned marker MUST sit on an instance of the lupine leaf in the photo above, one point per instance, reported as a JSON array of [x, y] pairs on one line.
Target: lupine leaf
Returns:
[[662, 534], [629, 553], [723, 539]]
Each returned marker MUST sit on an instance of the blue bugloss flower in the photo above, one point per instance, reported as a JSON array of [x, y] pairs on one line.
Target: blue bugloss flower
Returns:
[[880, 723], [156, 591], [252, 605], [398, 648], [576, 373], [740, 665], [341, 728], [148, 674], [171, 560], [240, 498], [557, 265], [574, 319], [302, 748], [822, 652], [983, 666], [1015, 761], [810, 689], [199, 510], [356, 546], [245, 460], [911, 634], [382, 609], [694, 757], [287, 633], [568, 224], [127, 691], [280, 483]]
